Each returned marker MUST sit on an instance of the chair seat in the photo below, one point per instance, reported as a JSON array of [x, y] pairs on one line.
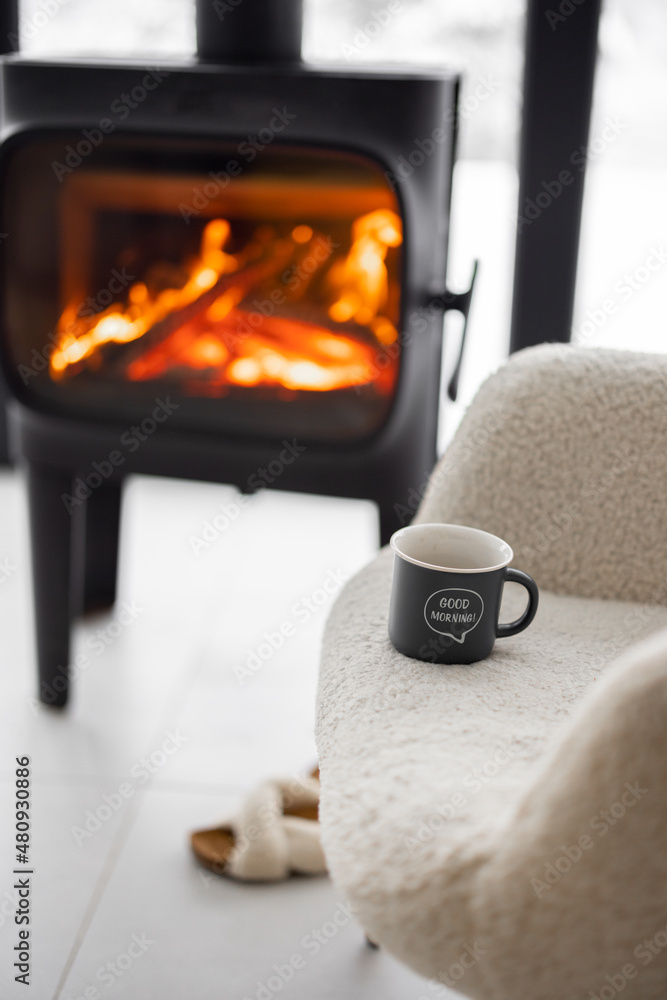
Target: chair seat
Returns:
[[421, 761]]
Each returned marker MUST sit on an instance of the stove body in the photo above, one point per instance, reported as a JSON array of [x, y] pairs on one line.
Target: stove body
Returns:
[[225, 271]]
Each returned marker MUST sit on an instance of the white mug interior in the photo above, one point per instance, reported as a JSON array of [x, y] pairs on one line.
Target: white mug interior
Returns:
[[452, 548]]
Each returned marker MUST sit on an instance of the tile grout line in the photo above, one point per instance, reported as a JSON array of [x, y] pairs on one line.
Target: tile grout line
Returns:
[[117, 845], [125, 828]]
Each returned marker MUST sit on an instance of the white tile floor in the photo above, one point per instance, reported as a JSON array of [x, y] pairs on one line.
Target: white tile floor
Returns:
[[169, 679]]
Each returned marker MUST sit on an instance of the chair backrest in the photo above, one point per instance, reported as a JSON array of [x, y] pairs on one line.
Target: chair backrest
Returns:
[[563, 453]]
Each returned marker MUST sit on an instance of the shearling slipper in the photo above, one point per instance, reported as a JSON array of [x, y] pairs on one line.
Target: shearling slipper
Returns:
[[275, 834]]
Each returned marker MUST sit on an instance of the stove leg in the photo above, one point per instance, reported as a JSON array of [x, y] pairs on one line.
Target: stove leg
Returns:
[[50, 531], [97, 536]]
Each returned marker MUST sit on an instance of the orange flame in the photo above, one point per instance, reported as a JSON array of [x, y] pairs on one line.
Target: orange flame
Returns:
[[209, 335], [362, 278]]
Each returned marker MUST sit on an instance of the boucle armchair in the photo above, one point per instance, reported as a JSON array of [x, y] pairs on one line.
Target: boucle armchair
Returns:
[[500, 827]]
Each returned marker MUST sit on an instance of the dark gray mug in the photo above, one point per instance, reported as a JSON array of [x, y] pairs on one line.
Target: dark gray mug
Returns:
[[446, 592]]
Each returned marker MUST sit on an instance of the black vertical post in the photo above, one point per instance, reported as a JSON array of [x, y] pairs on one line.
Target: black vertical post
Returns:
[[249, 31], [9, 42], [50, 536], [9, 26], [4, 440], [95, 542], [557, 96]]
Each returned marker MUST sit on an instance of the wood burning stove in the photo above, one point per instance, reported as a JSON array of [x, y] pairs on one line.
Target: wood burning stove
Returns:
[[207, 264]]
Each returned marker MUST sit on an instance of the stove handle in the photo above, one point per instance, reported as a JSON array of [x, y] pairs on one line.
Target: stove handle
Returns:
[[460, 302]]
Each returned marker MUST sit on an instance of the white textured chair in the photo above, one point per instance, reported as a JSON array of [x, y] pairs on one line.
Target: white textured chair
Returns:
[[501, 827]]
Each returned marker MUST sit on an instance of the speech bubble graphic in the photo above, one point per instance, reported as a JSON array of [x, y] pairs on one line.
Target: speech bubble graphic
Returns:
[[454, 612]]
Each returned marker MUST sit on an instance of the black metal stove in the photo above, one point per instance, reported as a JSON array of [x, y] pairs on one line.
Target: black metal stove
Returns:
[[208, 266]]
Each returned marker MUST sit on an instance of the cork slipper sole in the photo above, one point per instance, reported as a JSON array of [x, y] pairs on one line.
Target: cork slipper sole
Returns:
[[276, 834], [213, 847]]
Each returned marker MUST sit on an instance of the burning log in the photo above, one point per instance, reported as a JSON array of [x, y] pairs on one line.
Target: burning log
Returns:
[[238, 284]]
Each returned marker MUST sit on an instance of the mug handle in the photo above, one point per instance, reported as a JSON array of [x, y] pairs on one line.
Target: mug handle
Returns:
[[511, 628]]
